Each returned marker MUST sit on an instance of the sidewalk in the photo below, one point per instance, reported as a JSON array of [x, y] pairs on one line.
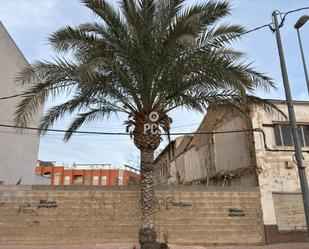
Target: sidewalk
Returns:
[[127, 246]]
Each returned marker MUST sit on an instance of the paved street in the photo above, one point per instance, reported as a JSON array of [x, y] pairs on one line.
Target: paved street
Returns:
[[126, 246]]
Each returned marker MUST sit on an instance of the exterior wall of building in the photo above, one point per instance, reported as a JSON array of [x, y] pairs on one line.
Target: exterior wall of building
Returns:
[[180, 168], [18, 153], [162, 165], [110, 177], [233, 153], [42, 215], [181, 148], [220, 159], [289, 211], [277, 171], [252, 159], [194, 164], [231, 149]]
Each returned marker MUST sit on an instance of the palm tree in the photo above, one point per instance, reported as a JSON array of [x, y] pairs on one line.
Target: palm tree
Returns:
[[144, 58]]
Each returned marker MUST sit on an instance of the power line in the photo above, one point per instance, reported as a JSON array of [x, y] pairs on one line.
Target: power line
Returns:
[[25, 94], [258, 28], [63, 131], [292, 11], [12, 96], [122, 133], [289, 12], [181, 126]]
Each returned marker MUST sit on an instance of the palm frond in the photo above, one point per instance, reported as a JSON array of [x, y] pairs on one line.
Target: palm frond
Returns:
[[68, 38], [219, 36], [59, 111], [194, 20], [88, 117], [143, 56]]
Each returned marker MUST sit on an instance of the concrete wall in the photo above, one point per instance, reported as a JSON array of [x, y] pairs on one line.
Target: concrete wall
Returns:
[[277, 172], [70, 215], [18, 153]]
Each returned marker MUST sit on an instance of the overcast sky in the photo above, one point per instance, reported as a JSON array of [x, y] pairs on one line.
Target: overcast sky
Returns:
[[31, 21]]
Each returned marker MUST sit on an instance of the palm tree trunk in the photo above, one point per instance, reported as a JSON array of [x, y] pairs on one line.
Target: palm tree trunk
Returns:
[[147, 233]]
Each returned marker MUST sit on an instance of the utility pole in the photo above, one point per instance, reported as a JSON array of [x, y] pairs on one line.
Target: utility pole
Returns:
[[294, 129]]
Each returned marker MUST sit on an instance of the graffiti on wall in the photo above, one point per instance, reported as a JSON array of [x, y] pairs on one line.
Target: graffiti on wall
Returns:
[[27, 209], [98, 207], [169, 203]]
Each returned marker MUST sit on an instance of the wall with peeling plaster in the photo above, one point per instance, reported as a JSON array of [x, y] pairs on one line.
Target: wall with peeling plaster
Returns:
[[208, 159], [231, 151], [274, 175], [242, 159]]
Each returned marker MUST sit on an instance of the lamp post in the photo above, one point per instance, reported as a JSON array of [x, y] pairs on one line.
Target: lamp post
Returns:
[[294, 129], [300, 22]]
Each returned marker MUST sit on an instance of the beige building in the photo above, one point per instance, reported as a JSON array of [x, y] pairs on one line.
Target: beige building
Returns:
[[18, 153], [259, 152]]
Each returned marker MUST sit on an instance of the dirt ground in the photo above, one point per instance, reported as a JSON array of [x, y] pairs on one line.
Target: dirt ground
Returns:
[[126, 246]]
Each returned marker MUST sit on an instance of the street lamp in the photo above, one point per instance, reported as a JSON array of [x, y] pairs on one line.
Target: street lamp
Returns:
[[292, 117], [300, 22]]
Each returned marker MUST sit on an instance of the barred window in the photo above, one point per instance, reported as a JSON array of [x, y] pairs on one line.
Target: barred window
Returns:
[[283, 135]]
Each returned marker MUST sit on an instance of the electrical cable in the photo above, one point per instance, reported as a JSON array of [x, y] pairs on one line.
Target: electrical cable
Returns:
[[25, 94], [122, 133], [289, 12]]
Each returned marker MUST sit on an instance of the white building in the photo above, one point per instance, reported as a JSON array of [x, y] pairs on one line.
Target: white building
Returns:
[[18, 153]]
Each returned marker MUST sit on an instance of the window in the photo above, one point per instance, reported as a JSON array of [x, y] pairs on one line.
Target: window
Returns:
[[95, 180], [87, 180], [78, 180], [283, 135], [57, 179], [67, 180], [103, 180], [120, 180]]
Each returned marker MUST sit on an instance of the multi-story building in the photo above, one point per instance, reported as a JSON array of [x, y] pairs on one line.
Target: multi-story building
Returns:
[[87, 174], [18, 152], [252, 151]]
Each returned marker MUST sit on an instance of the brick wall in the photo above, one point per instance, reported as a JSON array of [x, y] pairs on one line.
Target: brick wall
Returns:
[[72, 215]]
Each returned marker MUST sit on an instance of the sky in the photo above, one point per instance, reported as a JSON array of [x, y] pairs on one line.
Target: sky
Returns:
[[30, 22]]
